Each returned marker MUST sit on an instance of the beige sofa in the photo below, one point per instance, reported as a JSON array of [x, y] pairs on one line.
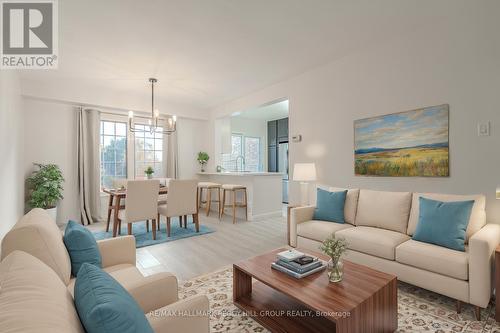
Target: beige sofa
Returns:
[[38, 236], [378, 228]]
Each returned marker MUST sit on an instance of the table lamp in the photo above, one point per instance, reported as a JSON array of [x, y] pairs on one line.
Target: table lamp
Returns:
[[304, 173]]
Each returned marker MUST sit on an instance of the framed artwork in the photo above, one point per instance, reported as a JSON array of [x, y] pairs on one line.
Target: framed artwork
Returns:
[[405, 144]]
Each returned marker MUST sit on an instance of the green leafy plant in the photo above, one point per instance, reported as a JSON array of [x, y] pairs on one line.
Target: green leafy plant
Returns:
[[45, 186], [149, 171], [334, 247], [203, 157]]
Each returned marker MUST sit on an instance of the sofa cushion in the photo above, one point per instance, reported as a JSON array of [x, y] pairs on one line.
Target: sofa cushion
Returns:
[[320, 230], [37, 234], [477, 218], [374, 241], [330, 206], [434, 258], [33, 299], [443, 223], [387, 210], [125, 274], [104, 306], [82, 246], [351, 203]]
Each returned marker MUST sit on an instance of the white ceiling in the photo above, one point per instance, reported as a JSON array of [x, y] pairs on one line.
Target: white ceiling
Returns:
[[207, 52], [268, 112]]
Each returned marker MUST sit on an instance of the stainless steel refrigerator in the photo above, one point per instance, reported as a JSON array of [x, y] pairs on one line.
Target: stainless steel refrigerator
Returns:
[[283, 168]]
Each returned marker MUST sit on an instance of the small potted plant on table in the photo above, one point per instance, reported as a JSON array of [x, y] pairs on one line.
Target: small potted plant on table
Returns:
[[203, 160], [334, 248], [45, 186], [149, 172]]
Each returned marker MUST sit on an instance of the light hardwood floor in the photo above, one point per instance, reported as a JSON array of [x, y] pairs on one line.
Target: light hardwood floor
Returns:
[[198, 255]]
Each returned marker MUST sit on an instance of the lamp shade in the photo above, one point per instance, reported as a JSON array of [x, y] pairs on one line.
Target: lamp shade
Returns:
[[498, 192], [304, 172]]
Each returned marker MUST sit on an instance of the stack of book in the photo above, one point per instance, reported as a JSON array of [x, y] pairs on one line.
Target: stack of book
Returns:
[[297, 264]]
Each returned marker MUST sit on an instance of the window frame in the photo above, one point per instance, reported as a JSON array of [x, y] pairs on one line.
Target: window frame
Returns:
[[145, 150], [243, 152], [101, 144]]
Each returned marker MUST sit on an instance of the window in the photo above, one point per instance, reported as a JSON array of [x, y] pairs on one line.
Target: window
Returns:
[[252, 154], [148, 151], [246, 146], [113, 151]]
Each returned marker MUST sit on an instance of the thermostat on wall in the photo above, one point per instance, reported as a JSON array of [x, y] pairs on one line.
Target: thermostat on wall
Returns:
[[296, 138], [483, 129]]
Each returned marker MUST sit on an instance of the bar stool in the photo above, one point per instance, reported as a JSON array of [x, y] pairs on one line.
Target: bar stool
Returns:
[[233, 188], [208, 187]]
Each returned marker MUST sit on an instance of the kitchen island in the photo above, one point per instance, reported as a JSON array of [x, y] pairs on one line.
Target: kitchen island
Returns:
[[264, 190]]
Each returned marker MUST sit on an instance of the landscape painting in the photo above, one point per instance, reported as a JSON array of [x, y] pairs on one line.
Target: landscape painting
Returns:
[[406, 144]]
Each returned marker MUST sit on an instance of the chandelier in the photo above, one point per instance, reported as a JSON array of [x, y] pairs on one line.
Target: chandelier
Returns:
[[170, 126]]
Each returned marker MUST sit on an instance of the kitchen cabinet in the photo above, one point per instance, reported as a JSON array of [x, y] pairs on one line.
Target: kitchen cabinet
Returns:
[[272, 161], [283, 130], [272, 133]]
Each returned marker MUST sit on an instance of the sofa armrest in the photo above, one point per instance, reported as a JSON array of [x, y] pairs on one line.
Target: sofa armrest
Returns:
[[299, 215], [155, 291], [190, 315], [118, 250], [482, 247]]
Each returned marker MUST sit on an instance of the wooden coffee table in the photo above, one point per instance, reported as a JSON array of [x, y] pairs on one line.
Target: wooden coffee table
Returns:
[[364, 301]]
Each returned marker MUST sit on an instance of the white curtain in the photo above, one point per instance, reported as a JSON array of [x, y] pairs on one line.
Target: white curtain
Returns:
[[89, 165], [170, 155]]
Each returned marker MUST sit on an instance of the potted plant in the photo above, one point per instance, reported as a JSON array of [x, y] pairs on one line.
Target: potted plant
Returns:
[[334, 248], [203, 159], [45, 186], [149, 172]]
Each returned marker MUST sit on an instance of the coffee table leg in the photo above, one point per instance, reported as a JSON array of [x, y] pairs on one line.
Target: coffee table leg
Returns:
[[242, 283]]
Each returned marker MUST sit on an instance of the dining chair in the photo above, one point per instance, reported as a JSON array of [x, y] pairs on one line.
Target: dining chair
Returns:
[[117, 183], [162, 199], [181, 202], [142, 204]]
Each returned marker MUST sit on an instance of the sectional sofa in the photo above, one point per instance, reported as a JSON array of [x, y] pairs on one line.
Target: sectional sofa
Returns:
[[36, 285], [379, 228]]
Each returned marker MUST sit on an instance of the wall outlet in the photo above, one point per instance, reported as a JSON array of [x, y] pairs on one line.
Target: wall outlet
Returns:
[[483, 129], [296, 138]]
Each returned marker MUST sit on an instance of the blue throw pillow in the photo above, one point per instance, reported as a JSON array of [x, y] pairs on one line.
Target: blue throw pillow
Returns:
[[330, 206], [443, 223], [104, 306], [81, 246]]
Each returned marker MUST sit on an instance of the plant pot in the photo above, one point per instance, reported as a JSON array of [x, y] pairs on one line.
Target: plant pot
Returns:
[[202, 167], [52, 212], [150, 176]]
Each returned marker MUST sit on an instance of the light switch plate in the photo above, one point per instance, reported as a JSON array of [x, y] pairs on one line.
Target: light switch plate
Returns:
[[483, 129]]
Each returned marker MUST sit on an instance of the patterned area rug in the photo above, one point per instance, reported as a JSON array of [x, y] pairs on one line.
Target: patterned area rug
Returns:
[[144, 238], [419, 310]]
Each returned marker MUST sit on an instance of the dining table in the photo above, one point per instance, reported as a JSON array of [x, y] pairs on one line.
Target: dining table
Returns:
[[114, 204]]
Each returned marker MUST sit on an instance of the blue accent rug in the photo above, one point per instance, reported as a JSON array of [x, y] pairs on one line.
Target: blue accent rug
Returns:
[[143, 238]]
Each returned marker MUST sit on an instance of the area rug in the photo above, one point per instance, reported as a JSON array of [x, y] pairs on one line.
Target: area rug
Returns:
[[419, 310], [144, 238]]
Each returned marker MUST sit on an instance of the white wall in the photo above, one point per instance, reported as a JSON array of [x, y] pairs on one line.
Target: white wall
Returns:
[[11, 147], [50, 137], [192, 138], [455, 60]]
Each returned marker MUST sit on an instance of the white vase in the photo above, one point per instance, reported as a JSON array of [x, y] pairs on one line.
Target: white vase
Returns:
[[150, 176], [53, 213]]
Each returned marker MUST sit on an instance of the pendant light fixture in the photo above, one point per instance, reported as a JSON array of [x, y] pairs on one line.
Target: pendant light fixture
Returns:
[[170, 126]]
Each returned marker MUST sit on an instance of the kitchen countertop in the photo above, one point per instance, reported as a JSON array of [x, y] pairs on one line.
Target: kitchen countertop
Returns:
[[241, 174]]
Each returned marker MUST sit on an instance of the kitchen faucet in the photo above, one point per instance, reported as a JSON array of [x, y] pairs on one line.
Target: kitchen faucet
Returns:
[[242, 162]]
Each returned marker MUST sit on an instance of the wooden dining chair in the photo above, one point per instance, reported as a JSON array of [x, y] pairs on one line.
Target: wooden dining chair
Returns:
[[142, 204], [181, 202]]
